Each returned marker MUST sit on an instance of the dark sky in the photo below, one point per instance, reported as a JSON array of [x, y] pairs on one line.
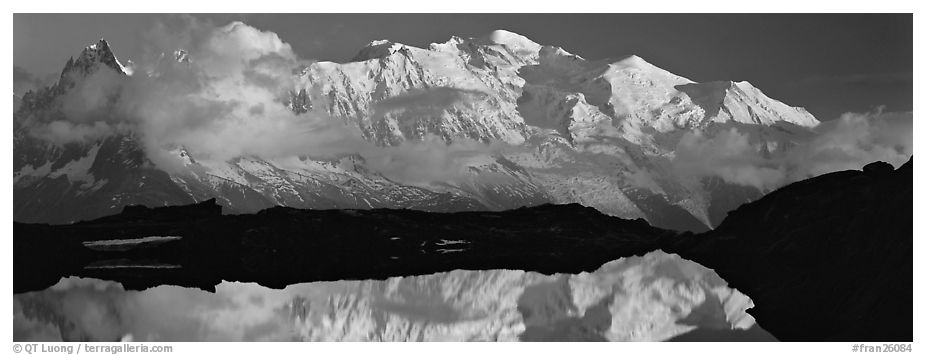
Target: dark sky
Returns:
[[828, 63]]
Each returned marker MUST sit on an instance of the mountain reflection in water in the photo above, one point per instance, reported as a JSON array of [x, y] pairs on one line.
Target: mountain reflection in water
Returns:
[[655, 297]]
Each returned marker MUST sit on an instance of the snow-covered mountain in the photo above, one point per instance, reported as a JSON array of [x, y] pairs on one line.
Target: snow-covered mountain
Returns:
[[601, 133], [650, 298]]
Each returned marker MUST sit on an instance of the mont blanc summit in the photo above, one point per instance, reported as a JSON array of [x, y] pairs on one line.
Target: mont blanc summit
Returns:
[[522, 124]]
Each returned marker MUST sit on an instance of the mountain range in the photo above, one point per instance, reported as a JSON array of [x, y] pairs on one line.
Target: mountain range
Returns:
[[602, 133]]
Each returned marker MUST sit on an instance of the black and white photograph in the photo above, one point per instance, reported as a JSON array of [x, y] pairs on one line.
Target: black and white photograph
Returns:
[[461, 177]]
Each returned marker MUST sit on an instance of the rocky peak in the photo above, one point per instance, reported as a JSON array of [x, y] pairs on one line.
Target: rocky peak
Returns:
[[377, 49], [91, 58]]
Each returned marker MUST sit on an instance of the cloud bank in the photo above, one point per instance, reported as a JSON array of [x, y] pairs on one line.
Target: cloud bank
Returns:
[[849, 142]]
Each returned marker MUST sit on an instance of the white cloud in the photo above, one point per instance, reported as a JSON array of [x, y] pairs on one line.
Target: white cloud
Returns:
[[431, 159], [853, 140], [850, 142], [729, 155], [62, 132]]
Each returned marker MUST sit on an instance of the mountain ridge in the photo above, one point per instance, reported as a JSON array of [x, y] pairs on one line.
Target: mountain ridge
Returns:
[[610, 127]]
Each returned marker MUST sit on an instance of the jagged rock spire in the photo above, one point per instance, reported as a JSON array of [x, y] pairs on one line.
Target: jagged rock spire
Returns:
[[89, 61]]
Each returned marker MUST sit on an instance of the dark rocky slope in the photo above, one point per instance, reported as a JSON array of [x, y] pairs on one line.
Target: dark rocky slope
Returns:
[[828, 258]]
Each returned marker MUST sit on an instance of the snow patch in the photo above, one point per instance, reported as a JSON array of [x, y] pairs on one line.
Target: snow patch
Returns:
[[79, 170]]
